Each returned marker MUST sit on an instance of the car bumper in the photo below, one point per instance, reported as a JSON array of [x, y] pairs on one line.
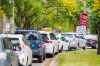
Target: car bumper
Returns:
[[49, 49], [38, 52]]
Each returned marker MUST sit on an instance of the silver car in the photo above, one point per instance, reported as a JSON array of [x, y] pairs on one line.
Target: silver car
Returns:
[[20, 48], [7, 56]]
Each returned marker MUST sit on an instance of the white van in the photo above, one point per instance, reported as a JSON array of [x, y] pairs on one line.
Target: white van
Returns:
[[21, 48]]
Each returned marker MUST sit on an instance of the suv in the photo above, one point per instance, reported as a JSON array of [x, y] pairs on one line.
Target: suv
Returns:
[[63, 44], [37, 45], [50, 42], [7, 56], [20, 48], [73, 40]]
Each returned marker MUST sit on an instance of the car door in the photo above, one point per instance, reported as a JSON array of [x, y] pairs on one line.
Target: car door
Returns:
[[28, 51]]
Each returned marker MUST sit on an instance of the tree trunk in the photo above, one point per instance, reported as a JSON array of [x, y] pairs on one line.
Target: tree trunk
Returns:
[[98, 49]]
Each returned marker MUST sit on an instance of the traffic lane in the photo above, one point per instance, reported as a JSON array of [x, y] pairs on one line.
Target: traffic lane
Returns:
[[47, 62]]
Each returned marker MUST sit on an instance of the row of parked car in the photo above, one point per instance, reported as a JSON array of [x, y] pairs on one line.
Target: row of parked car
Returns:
[[21, 48]]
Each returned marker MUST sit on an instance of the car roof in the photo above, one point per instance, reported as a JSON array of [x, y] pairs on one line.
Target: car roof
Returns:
[[71, 33], [11, 35]]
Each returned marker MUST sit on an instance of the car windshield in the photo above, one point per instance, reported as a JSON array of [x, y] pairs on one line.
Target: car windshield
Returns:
[[52, 36]]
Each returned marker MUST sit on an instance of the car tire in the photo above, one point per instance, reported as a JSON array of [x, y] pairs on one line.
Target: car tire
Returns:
[[93, 47], [20, 64], [61, 49], [40, 59], [30, 65], [44, 57], [52, 55]]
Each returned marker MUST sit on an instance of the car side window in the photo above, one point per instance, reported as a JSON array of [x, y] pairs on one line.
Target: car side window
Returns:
[[52, 36], [15, 44], [7, 43]]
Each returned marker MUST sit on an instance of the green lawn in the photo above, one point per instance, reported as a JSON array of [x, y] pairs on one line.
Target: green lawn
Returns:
[[79, 58]]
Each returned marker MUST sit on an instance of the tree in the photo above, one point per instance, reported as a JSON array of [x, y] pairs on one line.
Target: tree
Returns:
[[96, 19], [27, 12], [7, 6], [61, 13]]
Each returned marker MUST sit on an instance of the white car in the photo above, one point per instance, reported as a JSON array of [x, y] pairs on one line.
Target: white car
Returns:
[[7, 56], [63, 44], [21, 48], [73, 40], [50, 42], [82, 40]]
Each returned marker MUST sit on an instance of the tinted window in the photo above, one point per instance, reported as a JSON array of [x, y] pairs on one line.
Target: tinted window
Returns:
[[82, 37], [14, 41], [15, 44], [44, 37], [52, 36], [7, 43], [34, 38]]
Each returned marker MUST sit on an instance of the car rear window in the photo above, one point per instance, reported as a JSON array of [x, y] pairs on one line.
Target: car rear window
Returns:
[[14, 40], [34, 39], [52, 36], [68, 35], [44, 36]]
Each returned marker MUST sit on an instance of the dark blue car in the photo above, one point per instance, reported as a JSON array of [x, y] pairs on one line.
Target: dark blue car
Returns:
[[37, 45]]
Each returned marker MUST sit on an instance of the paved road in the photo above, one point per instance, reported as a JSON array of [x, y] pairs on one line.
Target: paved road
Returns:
[[47, 62], [37, 64]]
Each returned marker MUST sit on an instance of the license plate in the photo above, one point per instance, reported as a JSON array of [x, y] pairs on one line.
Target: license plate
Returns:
[[35, 51], [34, 59]]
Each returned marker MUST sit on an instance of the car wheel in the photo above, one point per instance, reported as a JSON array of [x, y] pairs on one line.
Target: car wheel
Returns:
[[20, 64], [61, 49], [40, 59], [30, 65], [44, 57], [52, 55], [93, 47]]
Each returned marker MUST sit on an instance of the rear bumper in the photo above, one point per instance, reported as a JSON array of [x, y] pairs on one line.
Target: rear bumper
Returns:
[[49, 49], [38, 52]]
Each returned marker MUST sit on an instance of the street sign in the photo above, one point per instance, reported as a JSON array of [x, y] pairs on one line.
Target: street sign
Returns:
[[84, 18], [81, 29]]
